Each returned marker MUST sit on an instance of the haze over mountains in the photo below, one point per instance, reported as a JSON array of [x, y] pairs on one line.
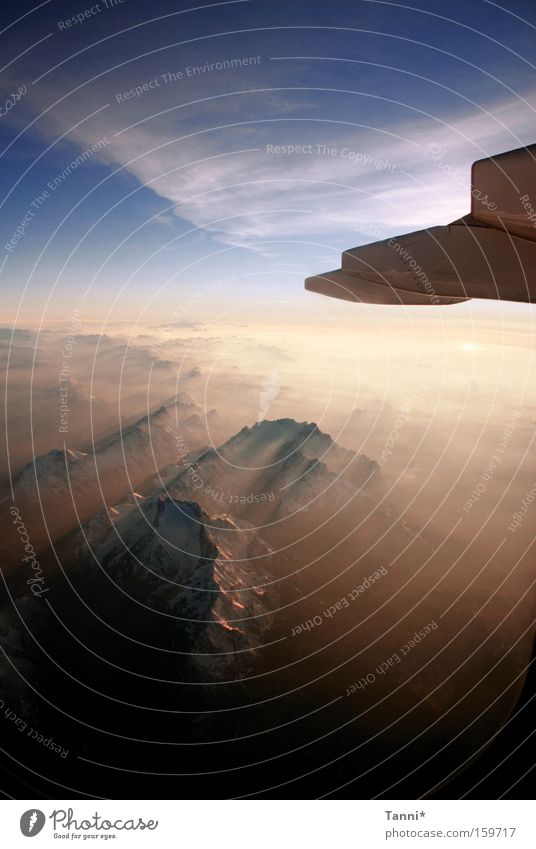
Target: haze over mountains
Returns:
[[275, 469], [69, 485], [219, 572], [231, 564]]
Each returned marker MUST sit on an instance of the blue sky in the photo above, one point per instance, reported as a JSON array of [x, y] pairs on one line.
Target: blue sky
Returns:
[[383, 107]]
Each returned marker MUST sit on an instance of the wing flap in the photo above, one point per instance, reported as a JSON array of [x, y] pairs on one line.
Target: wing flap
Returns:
[[351, 287], [442, 265]]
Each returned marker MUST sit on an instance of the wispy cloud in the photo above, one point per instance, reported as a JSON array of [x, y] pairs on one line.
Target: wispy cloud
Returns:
[[226, 169]]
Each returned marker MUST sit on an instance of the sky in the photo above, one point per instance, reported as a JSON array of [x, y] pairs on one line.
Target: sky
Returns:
[[200, 160]]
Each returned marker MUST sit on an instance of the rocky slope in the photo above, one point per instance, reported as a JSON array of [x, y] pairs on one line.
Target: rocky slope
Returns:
[[57, 490]]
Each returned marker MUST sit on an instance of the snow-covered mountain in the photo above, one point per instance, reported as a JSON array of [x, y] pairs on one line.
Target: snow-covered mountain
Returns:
[[166, 574], [276, 469], [69, 486], [185, 614], [207, 576]]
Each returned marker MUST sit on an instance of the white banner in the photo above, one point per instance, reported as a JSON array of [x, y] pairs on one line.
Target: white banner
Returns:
[[265, 824]]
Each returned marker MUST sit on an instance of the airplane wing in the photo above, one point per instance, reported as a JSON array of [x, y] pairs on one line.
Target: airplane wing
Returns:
[[489, 253]]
